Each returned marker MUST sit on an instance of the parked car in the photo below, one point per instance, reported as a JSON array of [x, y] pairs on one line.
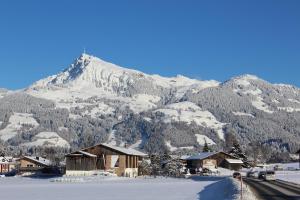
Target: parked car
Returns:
[[250, 174], [261, 174], [236, 175], [269, 175]]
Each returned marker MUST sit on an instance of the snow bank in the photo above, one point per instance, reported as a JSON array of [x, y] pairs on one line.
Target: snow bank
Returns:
[[246, 191]]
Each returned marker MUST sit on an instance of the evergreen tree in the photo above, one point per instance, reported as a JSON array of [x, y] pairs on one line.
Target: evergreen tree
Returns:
[[173, 167], [237, 152], [155, 166], [144, 168], [206, 148]]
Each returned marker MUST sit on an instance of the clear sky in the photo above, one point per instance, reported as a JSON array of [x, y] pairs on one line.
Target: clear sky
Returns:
[[200, 39]]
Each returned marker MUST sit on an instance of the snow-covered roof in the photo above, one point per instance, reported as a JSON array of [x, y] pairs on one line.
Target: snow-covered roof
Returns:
[[124, 150], [204, 155], [86, 153], [39, 160], [201, 156], [234, 161], [6, 160]]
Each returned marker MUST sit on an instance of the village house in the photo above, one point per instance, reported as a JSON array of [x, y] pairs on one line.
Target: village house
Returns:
[[213, 160], [7, 165], [119, 160], [33, 164]]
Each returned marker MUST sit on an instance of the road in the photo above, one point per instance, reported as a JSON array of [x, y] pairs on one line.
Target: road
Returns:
[[273, 190]]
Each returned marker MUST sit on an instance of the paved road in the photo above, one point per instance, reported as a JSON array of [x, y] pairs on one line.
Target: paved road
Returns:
[[273, 190]]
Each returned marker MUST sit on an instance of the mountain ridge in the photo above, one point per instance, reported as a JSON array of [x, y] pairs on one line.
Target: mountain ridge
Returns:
[[95, 101]]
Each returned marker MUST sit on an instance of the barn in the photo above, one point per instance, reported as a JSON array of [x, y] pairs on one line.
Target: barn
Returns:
[[119, 160], [213, 160]]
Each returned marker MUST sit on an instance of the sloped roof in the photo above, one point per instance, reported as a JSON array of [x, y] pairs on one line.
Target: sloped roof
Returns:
[[201, 156], [127, 151], [204, 155], [234, 161], [7, 160], [40, 160]]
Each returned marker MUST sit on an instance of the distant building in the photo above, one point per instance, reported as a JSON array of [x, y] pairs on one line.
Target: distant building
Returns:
[[213, 160], [32, 164], [119, 160], [7, 165]]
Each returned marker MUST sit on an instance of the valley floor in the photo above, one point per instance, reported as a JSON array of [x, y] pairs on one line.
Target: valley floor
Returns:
[[115, 188]]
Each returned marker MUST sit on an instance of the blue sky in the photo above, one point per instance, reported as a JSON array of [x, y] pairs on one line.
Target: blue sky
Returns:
[[200, 39]]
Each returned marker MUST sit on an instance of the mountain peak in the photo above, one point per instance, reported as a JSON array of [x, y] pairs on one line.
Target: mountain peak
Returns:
[[247, 77]]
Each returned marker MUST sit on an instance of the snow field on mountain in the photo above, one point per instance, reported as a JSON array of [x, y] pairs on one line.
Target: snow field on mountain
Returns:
[[16, 122], [201, 139], [189, 112], [172, 148], [115, 188], [242, 114], [245, 87], [49, 139]]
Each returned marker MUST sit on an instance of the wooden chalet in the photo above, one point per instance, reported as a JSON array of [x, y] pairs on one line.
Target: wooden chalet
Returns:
[[213, 160], [32, 164], [7, 165], [119, 160]]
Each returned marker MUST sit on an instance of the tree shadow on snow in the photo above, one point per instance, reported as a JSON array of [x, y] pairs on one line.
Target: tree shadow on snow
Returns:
[[223, 189], [207, 178]]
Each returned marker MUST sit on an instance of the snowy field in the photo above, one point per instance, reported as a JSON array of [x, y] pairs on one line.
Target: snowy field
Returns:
[[290, 176], [115, 188], [289, 171]]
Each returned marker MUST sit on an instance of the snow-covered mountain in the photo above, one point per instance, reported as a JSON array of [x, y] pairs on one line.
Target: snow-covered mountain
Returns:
[[91, 77], [96, 101]]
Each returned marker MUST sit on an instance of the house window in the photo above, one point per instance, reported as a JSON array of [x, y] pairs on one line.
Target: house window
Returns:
[[29, 165]]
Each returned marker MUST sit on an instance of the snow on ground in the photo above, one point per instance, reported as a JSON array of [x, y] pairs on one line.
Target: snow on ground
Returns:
[[290, 176], [289, 109], [141, 102], [243, 114], [147, 119], [247, 193], [245, 87], [287, 171], [172, 148], [115, 188], [101, 108], [137, 144], [50, 139], [189, 112], [294, 101], [261, 105], [290, 171], [201, 139], [16, 123], [112, 138]]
